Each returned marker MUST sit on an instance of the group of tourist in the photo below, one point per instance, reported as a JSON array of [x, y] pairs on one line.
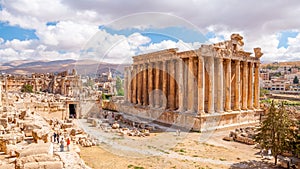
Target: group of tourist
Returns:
[[61, 142]]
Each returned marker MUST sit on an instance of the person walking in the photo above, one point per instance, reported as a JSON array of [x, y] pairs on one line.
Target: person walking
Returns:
[[62, 145], [54, 137], [68, 143]]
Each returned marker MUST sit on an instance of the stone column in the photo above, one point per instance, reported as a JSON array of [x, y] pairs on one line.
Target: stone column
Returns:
[[156, 95], [172, 86], [139, 84], [256, 86], [220, 87], [150, 83], [210, 69], [181, 107], [245, 88], [237, 105], [145, 83], [250, 86], [228, 85], [191, 85], [129, 91], [134, 81], [125, 84], [201, 78], [165, 84]]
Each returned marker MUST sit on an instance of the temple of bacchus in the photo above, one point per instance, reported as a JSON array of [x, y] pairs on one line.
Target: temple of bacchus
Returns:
[[215, 86]]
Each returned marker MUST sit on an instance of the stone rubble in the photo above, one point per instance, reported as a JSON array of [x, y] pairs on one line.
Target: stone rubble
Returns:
[[242, 135]]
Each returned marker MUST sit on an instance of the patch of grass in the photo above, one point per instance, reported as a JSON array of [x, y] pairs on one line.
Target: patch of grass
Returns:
[[222, 159], [134, 167], [182, 151]]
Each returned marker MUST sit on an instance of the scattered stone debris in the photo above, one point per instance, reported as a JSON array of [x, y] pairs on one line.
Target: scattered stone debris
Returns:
[[242, 135]]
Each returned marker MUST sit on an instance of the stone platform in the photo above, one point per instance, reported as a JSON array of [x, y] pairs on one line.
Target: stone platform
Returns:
[[187, 120]]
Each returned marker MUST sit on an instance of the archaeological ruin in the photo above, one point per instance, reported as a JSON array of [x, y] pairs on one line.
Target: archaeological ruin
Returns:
[[215, 86]]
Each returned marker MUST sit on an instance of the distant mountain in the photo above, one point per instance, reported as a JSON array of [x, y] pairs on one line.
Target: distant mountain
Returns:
[[83, 67], [282, 64]]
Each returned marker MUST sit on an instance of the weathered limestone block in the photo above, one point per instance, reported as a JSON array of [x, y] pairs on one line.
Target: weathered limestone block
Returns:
[[35, 149], [45, 165], [22, 114], [21, 162], [40, 134], [115, 126], [66, 125], [227, 138], [4, 122]]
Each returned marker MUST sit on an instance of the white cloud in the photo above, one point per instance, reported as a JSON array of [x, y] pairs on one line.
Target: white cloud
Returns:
[[78, 21]]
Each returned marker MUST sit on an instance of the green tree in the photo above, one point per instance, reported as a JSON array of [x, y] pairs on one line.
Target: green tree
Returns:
[[296, 80], [27, 88], [90, 82], [119, 86], [276, 131]]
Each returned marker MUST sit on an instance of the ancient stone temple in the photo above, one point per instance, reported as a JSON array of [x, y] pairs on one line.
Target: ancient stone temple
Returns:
[[215, 86]]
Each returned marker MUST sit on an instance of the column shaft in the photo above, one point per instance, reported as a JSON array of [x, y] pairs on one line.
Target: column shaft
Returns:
[[156, 95], [237, 105], [139, 84], [228, 86], [201, 78], [181, 86], [250, 86], [220, 88], [145, 85], [256, 86], [244, 85], [134, 81], [210, 103], [165, 84], [191, 85], [150, 87], [172, 85]]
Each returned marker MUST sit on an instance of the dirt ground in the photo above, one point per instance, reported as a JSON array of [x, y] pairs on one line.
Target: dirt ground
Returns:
[[191, 150]]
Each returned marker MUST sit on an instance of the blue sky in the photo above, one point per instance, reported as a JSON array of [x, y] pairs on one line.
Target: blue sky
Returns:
[[8, 32], [60, 30]]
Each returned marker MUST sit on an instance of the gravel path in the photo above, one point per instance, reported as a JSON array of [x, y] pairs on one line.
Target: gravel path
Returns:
[[109, 140]]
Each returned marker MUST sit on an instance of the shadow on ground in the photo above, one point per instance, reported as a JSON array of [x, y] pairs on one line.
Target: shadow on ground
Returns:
[[253, 164]]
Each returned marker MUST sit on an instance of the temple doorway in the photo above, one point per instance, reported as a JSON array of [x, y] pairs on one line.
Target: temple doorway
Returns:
[[72, 110]]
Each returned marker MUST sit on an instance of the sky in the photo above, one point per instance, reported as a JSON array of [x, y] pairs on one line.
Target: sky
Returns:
[[114, 31]]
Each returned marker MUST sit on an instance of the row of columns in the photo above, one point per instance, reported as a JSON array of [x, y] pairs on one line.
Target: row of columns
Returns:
[[196, 84]]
